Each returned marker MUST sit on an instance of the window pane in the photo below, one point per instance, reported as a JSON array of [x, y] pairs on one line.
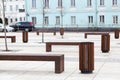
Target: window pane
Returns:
[[47, 3], [89, 3], [73, 20], [33, 3], [46, 20], [59, 3], [73, 3], [102, 19], [57, 20], [34, 20]]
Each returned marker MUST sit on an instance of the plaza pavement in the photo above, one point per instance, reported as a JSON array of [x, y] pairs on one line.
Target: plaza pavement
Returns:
[[107, 65]]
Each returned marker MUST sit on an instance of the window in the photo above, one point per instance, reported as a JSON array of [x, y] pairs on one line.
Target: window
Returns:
[[20, 18], [102, 20], [24, 18], [57, 20], [114, 2], [101, 2], [11, 8], [5, 8], [72, 3], [33, 3], [46, 21], [46, 3], [115, 19], [89, 3], [34, 20], [60, 3], [90, 19], [15, 19], [16, 7], [73, 20], [11, 20], [23, 6]]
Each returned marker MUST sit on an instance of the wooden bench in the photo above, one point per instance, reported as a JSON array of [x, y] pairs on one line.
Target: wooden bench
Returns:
[[95, 33], [13, 38], [49, 44], [54, 32], [58, 58]]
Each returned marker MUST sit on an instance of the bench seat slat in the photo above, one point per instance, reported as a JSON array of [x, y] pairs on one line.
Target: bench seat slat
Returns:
[[49, 44], [95, 33], [30, 57], [63, 43], [58, 58]]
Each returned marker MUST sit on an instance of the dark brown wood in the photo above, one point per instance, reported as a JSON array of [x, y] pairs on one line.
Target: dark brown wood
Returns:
[[116, 32], [86, 57], [49, 44], [37, 32], [25, 36], [61, 31], [58, 58], [54, 33], [95, 33], [46, 31], [105, 43], [13, 38]]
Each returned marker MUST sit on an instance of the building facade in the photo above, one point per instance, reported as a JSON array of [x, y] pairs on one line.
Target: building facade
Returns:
[[14, 11], [73, 13]]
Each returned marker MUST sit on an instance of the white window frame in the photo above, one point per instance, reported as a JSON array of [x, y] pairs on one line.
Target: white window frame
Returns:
[[73, 20], [102, 2], [46, 3], [72, 3], [33, 3], [11, 8], [90, 19], [57, 20], [17, 7], [34, 20], [115, 19], [46, 20], [102, 19], [114, 2], [89, 3], [60, 3]]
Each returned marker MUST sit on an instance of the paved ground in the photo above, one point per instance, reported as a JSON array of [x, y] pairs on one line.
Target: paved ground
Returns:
[[107, 65]]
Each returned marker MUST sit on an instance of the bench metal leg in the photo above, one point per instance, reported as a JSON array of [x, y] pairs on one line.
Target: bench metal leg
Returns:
[[59, 65]]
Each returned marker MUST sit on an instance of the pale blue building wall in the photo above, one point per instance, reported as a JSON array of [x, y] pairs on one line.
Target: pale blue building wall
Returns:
[[81, 12]]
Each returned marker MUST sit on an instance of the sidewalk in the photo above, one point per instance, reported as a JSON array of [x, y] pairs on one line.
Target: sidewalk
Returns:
[[107, 65]]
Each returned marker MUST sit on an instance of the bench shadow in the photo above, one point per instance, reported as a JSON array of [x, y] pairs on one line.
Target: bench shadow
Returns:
[[118, 43], [32, 72], [10, 50]]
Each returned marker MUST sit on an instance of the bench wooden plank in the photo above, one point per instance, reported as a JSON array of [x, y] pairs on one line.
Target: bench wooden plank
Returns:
[[49, 44], [54, 32], [95, 33], [13, 38], [58, 58]]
